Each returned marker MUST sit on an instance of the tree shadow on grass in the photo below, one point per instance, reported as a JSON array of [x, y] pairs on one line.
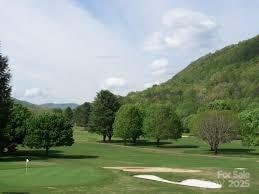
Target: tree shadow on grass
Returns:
[[15, 193], [138, 143], [180, 146], [143, 143], [21, 155], [238, 151], [225, 152]]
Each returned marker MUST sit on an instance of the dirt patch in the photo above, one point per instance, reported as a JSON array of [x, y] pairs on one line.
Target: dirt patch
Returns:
[[152, 169]]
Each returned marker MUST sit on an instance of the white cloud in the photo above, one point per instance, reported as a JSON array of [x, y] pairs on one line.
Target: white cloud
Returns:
[[182, 29], [159, 67], [159, 63], [114, 82], [60, 46], [159, 72], [35, 92]]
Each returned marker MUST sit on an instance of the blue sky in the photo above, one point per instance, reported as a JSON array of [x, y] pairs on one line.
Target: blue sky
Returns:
[[67, 50]]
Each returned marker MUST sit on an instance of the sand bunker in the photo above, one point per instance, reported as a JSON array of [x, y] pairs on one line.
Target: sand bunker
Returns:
[[188, 182], [152, 169], [240, 168]]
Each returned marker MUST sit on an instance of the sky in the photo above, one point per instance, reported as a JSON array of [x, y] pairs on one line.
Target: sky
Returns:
[[67, 50]]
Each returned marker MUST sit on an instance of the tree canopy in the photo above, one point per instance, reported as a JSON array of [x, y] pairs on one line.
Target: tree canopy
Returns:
[[68, 114], [47, 130], [128, 123], [250, 127], [216, 127], [102, 115], [161, 122], [5, 98], [81, 114], [16, 125]]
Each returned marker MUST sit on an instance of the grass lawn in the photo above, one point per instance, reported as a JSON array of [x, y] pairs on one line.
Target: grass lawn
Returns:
[[78, 169]]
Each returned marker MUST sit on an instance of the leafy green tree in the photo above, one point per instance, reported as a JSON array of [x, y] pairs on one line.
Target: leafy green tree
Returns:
[[219, 105], [81, 114], [5, 99], [47, 130], [16, 125], [216, 127], [102, 115], [161, 122], [57, 110], [128, 123], [68, 114], [250, 127]]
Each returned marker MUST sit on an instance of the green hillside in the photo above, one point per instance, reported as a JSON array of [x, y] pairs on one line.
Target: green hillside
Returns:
[[230, 75]]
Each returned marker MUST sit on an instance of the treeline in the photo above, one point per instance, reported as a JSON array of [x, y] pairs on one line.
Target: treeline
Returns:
[[216, 122]]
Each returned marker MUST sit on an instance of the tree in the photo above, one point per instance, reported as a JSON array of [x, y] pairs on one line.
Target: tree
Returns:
[[68, 114], [47, 130], [161, 122], [128, 123], [16, 125], [219, 105], [102, 115], [57, 110], [5, 99], [216, 127], [249, 129], [81, 114]]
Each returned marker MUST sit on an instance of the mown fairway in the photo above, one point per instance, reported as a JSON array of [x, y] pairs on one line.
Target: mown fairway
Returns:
[[78, 169]]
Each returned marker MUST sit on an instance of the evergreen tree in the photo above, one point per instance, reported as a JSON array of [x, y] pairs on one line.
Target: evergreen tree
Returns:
[[102, 115], [68, 113], [81, 114], [5, 98]]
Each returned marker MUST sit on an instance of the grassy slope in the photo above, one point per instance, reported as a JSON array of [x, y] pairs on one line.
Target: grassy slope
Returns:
[[77, 169]]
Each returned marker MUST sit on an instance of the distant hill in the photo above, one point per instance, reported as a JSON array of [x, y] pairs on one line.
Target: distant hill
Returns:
[[45, 107], [230, 74], [26, 104], [61, 106]]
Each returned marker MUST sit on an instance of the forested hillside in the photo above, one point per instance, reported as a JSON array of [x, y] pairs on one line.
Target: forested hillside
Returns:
[[229, 77]]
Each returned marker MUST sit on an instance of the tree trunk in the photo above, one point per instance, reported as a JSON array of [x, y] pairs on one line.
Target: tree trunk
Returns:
[[134, 140], [211, 148], [47, 151], [157, 142], [110, 138], [215, 150], [104, 137]]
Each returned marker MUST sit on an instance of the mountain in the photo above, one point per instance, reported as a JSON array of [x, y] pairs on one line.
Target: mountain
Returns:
[[230, 75], [26, 104], [30, 106], [61, 106], [45, 107]]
